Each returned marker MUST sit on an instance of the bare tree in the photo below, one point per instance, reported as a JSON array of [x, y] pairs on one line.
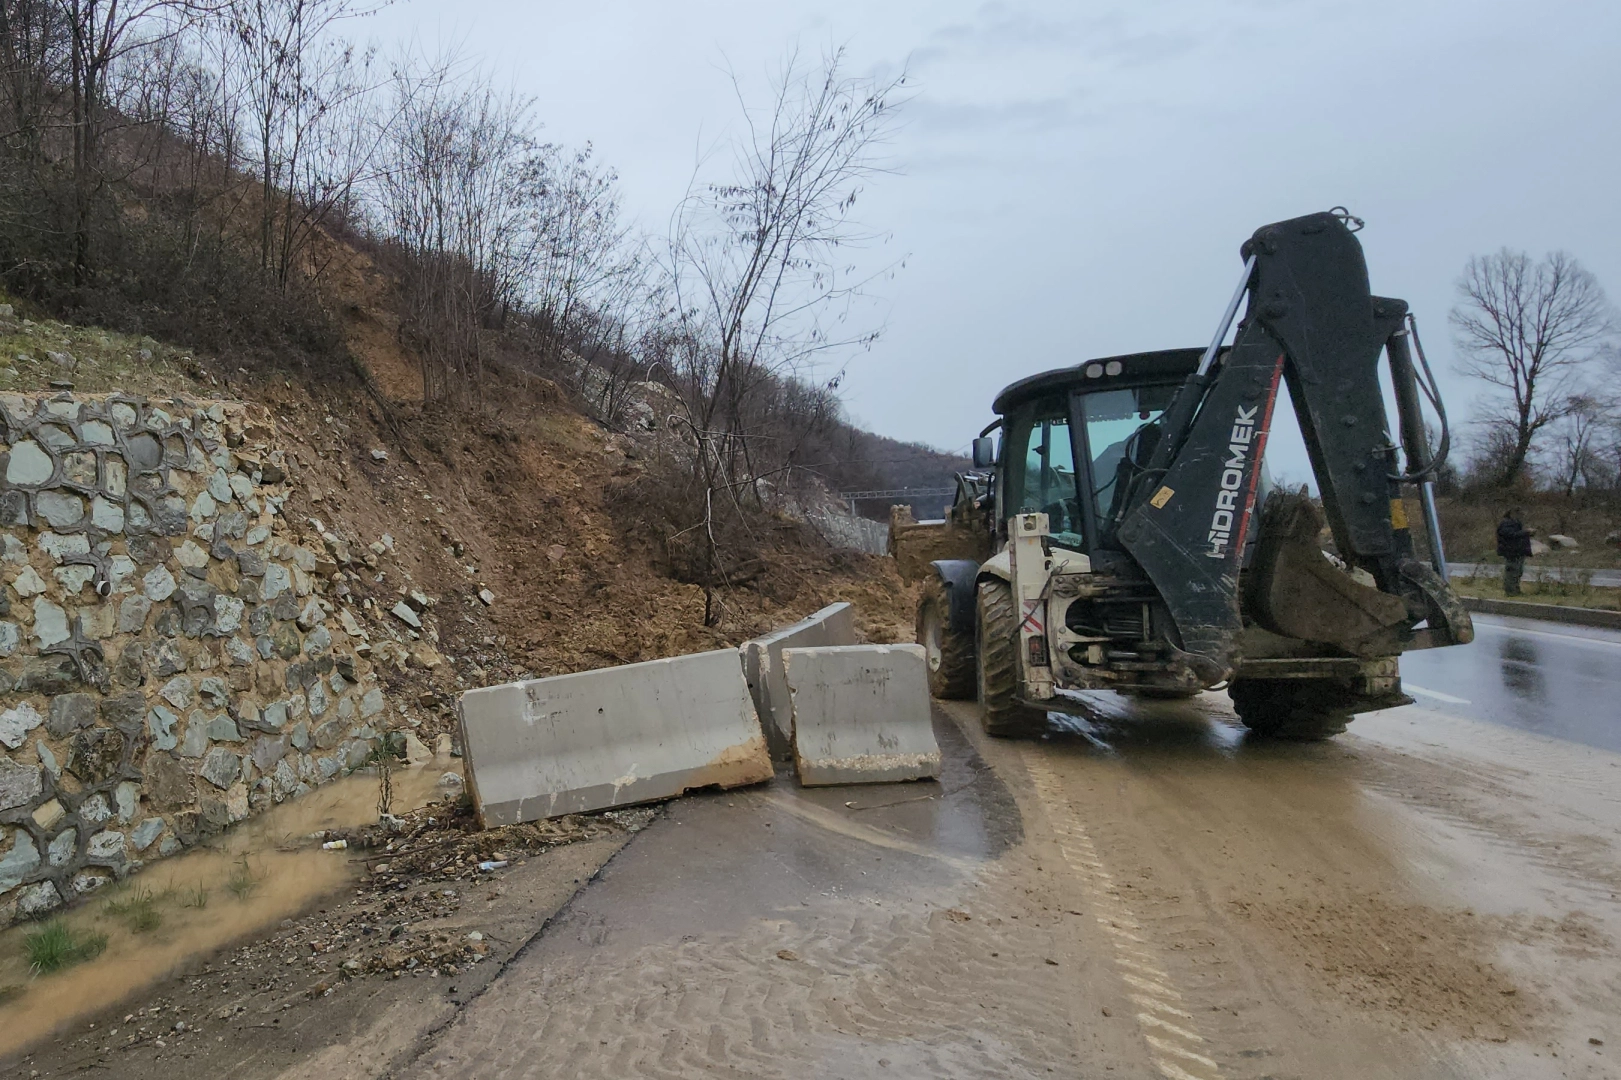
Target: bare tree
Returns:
[[1527, 328], [583, 249], [101, 33], [461, 158], [301, 85], [761, 268], [59, 57], [1577, 451], [33, 53]]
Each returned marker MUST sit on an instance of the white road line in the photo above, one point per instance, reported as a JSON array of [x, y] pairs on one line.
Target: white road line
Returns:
[[1155, 1003], [1175, 1072], [1154, 1021], [1127, 934], [1422, 691], [1147, 969], [1114, 917], [1180, 1051]]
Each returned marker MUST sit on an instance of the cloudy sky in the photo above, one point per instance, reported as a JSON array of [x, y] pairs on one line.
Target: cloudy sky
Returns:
[[1075, 178]]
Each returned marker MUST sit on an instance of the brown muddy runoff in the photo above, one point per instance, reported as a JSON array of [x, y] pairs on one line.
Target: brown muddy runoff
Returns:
[[249, 878]]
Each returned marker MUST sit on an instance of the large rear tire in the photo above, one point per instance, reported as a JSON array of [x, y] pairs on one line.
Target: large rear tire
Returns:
[[950, 656], [1300, 710], [996, 639]]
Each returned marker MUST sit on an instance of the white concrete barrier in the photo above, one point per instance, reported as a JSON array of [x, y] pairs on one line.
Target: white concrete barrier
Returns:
[[762, 667], [611, 737], [861, 714]]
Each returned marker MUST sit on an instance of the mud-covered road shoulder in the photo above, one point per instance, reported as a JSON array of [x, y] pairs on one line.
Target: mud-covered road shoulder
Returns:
[[308, 1001]]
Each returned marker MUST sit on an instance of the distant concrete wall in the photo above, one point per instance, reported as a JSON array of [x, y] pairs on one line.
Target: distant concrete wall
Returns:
[[610, 737], [848, 531], [762, 668], [169, 662], [861, 714]]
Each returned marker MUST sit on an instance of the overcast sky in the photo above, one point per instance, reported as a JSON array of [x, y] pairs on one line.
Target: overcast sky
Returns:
[[1076, 178]]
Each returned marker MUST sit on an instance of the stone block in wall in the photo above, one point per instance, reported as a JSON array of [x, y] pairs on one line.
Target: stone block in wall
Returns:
[[19, 785], [193, 649], [16, 722], [95, 753], [70, 712]]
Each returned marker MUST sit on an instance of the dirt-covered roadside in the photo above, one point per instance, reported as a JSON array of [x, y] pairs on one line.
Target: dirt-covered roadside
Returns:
[[434, 911]]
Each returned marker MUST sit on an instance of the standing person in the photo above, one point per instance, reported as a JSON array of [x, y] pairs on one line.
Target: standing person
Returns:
[[1514, 545]]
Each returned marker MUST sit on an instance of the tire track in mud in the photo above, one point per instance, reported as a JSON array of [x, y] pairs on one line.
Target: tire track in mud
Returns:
[[1472, 800], [846, 995], [931, 964], [1176, 1048]]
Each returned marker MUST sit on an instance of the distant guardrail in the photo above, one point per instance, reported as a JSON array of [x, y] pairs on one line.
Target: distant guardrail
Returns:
[[894, 495]]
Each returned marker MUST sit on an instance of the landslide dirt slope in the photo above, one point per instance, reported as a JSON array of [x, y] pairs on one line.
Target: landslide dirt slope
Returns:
[[513, 499], [511, 494]]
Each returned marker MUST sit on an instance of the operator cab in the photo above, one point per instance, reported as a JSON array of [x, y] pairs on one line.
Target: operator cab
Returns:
[[1073, 440]]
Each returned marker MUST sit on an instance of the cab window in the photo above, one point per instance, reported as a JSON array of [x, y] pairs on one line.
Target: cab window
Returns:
[[1121, 434], [1042, 471]]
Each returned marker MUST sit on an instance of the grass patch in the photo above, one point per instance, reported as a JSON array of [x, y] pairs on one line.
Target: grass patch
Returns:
[[138, 909], [242, 881], [103, 360], [194, 897], [1560, 593], [55, 946]]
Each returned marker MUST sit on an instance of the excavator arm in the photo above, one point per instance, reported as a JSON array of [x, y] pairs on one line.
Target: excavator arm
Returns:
[[1313, 324]]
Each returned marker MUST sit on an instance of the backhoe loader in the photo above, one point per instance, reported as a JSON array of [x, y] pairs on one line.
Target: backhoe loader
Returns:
[[1118, 531]]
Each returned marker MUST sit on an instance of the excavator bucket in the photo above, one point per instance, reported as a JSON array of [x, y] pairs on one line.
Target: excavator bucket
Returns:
[[1292, 588]]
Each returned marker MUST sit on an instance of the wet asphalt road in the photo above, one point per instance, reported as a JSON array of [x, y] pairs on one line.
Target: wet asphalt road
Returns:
[[1545, 677]]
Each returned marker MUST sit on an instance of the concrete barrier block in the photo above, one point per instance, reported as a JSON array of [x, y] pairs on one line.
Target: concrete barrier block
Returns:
[[861, 714], [611, 737], [762, 667]]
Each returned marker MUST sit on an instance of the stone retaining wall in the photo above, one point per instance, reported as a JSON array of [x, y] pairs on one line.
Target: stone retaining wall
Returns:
[[169, 662]]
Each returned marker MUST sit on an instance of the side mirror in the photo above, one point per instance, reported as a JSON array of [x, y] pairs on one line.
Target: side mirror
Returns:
[[984, 452]]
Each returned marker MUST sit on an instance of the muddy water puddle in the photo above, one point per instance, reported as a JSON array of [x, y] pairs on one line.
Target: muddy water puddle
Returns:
[[234, 885]]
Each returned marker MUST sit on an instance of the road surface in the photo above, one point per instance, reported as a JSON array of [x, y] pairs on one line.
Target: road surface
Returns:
[[1538, 676], [1609, 579], [1145, 892]]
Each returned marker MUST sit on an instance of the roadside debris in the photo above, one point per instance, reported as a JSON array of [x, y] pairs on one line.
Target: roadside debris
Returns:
[[443, 842], [414, 865]]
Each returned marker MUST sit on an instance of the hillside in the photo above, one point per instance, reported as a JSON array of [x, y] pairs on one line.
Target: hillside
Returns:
[[510, 499], [878, 462]]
